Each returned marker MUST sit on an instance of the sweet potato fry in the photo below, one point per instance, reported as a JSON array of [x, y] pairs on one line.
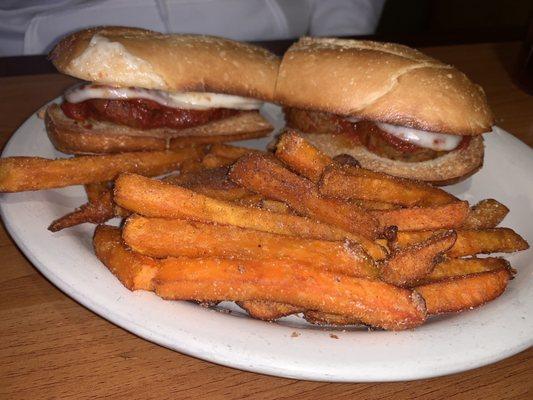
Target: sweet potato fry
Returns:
[[347, 182], [206, 177], [486, 214], [319, 318], [410, 264], [372, 205], [190, 166], [223, 155], [263, 175], [134, 270], [268, 310], [275, 206], [152, 198], [19, 174], [305, 159], [464, 293], [452, 267], [447, 216], [470, 242], [212, 182], [229, 151], [95, 191], [373, 302], [300, 156], [86, 213], [99, 209], [164, 237], [249, 200], [213, 161]]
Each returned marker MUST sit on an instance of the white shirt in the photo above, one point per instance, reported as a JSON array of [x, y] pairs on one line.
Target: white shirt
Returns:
[[34, 26]]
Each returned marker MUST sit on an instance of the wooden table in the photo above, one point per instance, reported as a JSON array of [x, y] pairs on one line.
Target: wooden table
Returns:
[[51, 347]]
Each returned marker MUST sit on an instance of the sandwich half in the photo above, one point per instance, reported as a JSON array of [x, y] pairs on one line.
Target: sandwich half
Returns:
[[149, 91], [391, 107]]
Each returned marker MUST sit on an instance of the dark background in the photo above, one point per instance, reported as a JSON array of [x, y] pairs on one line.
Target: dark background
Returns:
[[455, 21]]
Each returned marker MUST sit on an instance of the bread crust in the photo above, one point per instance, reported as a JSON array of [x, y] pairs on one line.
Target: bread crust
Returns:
[[384, 82], [448, 169], [69, 136], [123, 56]]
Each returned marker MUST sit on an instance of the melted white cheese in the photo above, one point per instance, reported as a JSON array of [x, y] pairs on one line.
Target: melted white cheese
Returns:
[[428, 140], [185, 100]]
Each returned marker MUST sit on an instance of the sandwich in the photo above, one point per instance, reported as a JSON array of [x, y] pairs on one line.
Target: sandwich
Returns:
[[144, 90], [391, 107]]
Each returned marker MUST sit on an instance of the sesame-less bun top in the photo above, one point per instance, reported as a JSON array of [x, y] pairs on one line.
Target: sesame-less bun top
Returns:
[[384, 82], [131, 57]]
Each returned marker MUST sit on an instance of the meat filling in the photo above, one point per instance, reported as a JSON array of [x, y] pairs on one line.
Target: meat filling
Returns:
[[142, 113], [364, 133]]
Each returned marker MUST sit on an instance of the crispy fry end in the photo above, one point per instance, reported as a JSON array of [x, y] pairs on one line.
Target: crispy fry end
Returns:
[[134, 270], [410, 264], [463, 293]]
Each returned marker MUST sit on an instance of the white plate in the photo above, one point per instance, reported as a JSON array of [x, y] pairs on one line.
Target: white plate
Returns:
[[290, 348]]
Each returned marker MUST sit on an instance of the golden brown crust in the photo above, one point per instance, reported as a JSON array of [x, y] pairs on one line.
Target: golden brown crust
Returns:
[[69, 136], [451, 168], [138, 57], [384, 82]]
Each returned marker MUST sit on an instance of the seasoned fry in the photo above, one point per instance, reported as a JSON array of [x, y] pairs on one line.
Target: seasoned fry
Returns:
[[163, 237], [349, 182], [229, 151], [19, 174], [88, 212], [190, 166], [452, 267], [268, 310], [212, 182], [374, 205], [373, 302], [99, 209], [451, 215], [265, 176], [305, 159], [412, 263], [300, 156], [98, 193], [152, 198], [223, 155], [464, 293], [486, 214], [275, 206], [216, 178], [134, 270], [213, 161], [249, 200], [319, 318], [470, 242], [94, 191]]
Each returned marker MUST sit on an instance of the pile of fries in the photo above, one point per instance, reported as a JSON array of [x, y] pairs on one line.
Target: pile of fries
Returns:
[[289, 232]]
